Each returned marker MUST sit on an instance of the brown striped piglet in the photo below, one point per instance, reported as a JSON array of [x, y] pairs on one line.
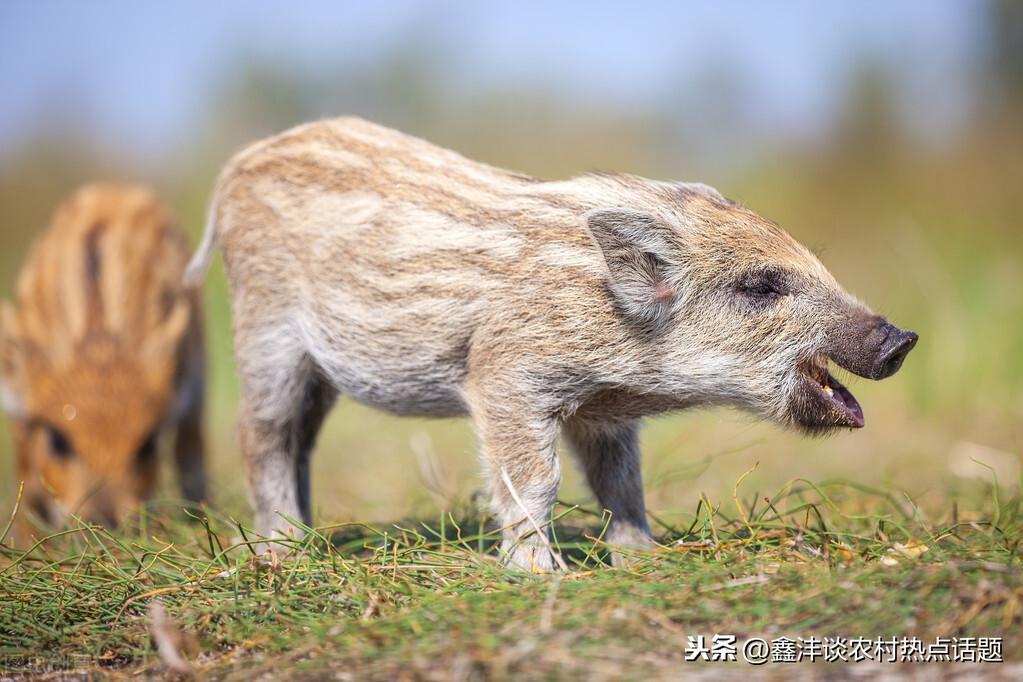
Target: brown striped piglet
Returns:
[[101, 355]]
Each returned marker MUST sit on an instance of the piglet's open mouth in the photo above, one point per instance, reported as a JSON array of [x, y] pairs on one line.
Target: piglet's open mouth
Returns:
[[831, 403]]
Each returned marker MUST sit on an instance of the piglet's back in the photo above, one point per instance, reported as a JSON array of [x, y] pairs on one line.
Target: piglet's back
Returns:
[[110, 266]]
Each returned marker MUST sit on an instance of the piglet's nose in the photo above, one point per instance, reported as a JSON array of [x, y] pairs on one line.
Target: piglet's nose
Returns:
[[894, 350]]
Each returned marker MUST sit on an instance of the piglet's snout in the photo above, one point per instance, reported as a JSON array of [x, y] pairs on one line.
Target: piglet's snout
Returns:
[[894, 349], [870, 346]]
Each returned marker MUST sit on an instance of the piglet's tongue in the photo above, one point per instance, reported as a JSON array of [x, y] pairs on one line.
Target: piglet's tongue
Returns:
[[844, 400]]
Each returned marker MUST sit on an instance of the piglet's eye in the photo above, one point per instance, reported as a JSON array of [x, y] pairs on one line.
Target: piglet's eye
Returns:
[[60, 446], [766, 285], [762, 290]]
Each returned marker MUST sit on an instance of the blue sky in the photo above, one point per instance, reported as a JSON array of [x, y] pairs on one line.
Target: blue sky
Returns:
[[142, 72]]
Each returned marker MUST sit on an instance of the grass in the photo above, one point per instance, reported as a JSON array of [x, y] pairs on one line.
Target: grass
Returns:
[[429, 599]]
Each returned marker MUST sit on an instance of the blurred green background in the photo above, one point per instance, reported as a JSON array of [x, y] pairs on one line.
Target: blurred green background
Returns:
[[888, 138]]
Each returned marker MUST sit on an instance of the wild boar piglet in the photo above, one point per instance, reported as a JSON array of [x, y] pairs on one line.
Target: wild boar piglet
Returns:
[[370, 264], [101, 354]]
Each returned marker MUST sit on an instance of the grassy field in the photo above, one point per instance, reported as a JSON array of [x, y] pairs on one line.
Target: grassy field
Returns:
[[429, 600]]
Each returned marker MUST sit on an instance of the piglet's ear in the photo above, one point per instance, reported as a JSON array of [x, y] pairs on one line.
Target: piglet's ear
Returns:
[[636, 248], [11, 400]]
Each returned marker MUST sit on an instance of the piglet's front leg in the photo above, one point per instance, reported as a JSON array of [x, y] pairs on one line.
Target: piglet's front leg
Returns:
[[518, 451]]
